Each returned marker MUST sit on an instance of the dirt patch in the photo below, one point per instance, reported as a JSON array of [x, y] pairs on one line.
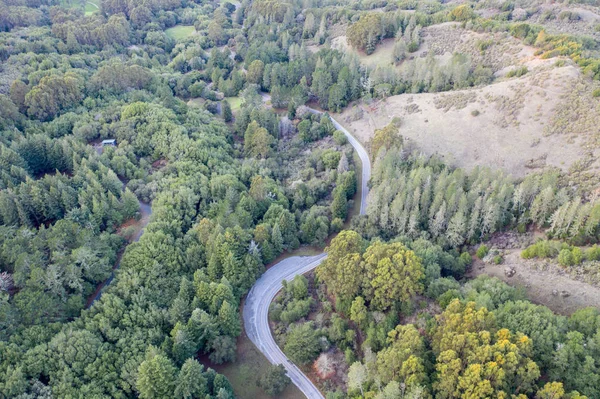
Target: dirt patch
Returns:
[[518, 124], [551, 287]]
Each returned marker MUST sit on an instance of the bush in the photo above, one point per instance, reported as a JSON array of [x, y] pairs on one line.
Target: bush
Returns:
[[302, 344], [466, 259], [275, 312], [517, 73], [475, 112], [336, 225], [339, 137], [593, 253], [274, 381], [442, 285], [447, 297], [565, 258], [596, 93], [577, 255], [542, 249], [296, 310], [331, 158], [482, 251], [462, 13], [498, 259]]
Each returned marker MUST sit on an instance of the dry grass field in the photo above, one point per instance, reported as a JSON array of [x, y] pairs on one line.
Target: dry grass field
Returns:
[[546, 117]]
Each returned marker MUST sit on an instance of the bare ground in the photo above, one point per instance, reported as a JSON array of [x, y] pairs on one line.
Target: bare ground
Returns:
[[550, 287], [522, 124]]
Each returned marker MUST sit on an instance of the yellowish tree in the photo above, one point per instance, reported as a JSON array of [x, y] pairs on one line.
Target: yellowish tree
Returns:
[[393, 274]]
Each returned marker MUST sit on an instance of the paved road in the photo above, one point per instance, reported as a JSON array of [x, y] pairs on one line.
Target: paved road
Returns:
[[256, 307]]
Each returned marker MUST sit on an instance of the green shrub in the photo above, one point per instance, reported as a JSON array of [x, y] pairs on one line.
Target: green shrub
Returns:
[[483, 45], [593, 253], [339, 137], [336, 225], [577, 255], [498, 259], [464, 12], [448, 296], [542, 249], [331, 159], [475, 112], [466, 259], [568, 16], [482, 251], [275, 312], [596, 93], [565, 257], [442, 285], [517, 73]]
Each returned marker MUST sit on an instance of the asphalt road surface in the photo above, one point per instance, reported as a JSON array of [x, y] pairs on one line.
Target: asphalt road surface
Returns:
[[256, 308]]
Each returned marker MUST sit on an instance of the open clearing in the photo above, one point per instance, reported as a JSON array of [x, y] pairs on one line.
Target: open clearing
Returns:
[[509, 132], [90, 8], [547, 117], [180, 32], [382, 55], [551, 287], [235, 103]]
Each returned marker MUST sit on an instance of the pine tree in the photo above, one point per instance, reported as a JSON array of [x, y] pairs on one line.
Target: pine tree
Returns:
[[156, 376], [438, 223], [227, 114], [229, 320], [277, 239], [191, 382], [456, 229]]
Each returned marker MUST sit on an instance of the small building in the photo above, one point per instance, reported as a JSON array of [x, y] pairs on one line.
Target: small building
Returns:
[[111, 142]]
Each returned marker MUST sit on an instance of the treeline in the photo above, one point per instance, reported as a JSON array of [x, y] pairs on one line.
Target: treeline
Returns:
[[373, 27], [418, 196]]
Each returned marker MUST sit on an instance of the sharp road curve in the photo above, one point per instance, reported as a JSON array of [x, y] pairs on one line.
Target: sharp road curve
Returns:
[[256, 308]]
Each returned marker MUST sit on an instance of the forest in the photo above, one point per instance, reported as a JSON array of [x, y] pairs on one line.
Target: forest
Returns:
[[215, 131]]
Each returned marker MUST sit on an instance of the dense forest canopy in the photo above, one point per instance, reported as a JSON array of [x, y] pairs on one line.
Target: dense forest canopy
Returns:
[[207, 102]]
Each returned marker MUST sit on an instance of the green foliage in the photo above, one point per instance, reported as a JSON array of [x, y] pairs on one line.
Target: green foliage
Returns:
[[274, 380], [482, 251], [412, 193], [366, 33], [386, 138], [542, 249], [302, 344], [227, 114], [517, 72], [156, 377], [385, 273], [463, 12]]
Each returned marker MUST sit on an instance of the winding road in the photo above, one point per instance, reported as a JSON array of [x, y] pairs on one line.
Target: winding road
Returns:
[[256, 307]]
